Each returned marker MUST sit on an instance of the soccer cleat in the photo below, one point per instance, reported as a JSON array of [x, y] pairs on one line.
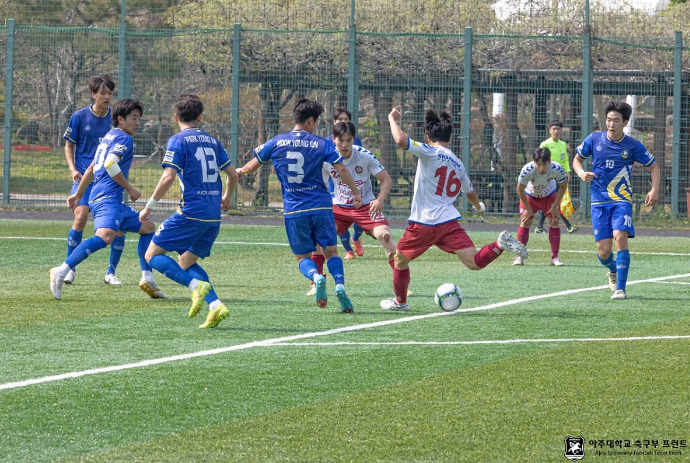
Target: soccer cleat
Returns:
[[198, 296], [508, 243], [112, 279], [572, 229], [320, 294], [394, 305], [151, 288], [349, 255], [359, 249], [345, 302], [409, 293], [215, 316], [56, 282], [619, 294], [557, 262], [518, 261], [539, 230], [69, 278], [613, 280], [312, 290]]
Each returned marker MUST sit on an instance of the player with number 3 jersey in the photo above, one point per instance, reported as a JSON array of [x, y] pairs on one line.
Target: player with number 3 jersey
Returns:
[[440, 178]]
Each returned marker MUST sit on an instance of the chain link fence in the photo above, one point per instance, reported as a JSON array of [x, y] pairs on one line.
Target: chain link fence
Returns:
[[524, 64]]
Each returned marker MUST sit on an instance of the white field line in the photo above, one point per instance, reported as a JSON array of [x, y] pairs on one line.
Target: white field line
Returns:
[[470, 343], [270, 342], [244, 243]]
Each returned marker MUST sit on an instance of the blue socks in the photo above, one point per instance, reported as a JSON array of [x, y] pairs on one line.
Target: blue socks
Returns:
[[345, 241], [116, 248], [358, 232], [196, 271], [308, 268], [84, 250], [622, 266], [609, 262], [142, 246], [73, 240], [170, 268], [335, 267]]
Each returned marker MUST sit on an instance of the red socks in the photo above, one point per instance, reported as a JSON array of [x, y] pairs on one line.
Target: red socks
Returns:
[[401, 281], [487, 254], [555, 240], [319, 260]]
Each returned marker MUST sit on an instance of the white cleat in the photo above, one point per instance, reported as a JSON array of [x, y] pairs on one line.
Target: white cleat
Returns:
[[619, 294], [312, 290], [557, 262], [151, 288], [613, 280], [69, 278], [112, 279], [518, 261], [56, 282], [507, 243], [394, 305]]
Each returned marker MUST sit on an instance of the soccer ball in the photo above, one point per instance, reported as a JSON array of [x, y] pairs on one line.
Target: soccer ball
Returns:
[[448, 297]]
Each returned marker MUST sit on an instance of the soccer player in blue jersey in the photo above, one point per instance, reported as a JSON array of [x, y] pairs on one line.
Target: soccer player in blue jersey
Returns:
[[86, 129], [298, 158], [197, 159], [109, 172], [613, 154]]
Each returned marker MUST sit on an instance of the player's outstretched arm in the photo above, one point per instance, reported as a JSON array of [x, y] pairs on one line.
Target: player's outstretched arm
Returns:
[[167, 179], [399, 136], [249, 168], [653, 195], [74, 200], [232, 177]]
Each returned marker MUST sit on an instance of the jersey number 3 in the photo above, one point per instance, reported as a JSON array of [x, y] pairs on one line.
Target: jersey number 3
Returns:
[[295, 168], [450, 183], [209, 166]]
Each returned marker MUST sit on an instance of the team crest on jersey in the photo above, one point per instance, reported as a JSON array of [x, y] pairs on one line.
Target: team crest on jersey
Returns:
[[88, 127], [359, 169], [598, 147], [119, 148], [624, 154]]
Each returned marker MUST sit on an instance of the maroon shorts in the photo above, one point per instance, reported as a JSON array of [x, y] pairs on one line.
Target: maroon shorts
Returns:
[[346, 216], [449, 236], [539, 204]]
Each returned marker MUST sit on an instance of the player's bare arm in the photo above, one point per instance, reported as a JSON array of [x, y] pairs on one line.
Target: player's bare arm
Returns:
[[653, 195], [385, 185], [166, 181], [473, 199], [84, 182], [249, 168], [528, 213], [231, 179], [346, 177], [580, 171], [556, 206], [69, 157], [399, 135]]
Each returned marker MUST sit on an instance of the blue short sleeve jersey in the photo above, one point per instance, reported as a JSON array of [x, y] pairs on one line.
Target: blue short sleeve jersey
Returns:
[[85, 131], [612, 162], [120, 143], [298, 158], [198, 159]]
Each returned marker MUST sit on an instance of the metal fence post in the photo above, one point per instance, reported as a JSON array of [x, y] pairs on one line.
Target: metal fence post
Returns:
[[235, 104], [677, 108], [352, 68], [587, 99], [466, 105], [9, 74], [124, 86]]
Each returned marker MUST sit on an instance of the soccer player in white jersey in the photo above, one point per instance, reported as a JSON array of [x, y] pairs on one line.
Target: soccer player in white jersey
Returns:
[[362, 164], [541, 186], [613, 154], [440, 178]]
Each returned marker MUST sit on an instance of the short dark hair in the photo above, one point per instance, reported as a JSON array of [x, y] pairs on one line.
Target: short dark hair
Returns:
[[306, 108], [438, 128], [542, 154], [188, 107], [124, 108], [556, 124], [621, 107], [96, 82], [341, 128], [339, 112]]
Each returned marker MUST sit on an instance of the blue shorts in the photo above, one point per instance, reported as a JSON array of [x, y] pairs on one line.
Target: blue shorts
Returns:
[[84, 199], [180, 234], [304, 232], [606, 218], [115, 215]]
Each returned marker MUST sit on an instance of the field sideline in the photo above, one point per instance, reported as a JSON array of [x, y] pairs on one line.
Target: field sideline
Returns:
[[107, 375]]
